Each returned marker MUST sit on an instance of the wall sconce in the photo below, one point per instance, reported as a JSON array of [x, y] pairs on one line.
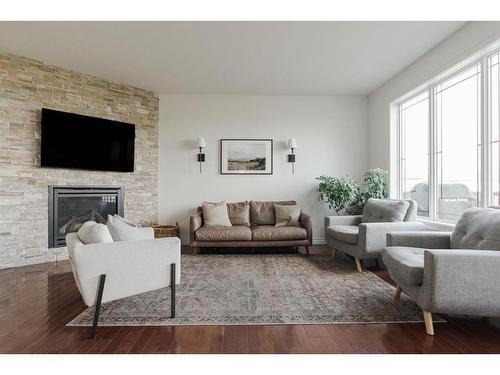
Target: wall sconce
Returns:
[[201, 157], [292, 144]]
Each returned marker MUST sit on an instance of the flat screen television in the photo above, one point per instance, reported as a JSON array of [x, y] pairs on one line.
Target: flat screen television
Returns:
[[82, 142]]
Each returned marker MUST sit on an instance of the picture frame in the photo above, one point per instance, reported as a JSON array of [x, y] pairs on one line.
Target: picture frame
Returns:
[[246, 156]]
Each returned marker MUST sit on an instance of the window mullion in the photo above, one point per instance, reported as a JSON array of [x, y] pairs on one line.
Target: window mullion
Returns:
[[432, 153], [485, 169]]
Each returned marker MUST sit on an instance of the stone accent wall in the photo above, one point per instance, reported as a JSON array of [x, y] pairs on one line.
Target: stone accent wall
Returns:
[[26, 86]]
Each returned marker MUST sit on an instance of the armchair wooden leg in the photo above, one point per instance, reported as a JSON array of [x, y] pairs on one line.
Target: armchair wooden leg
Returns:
[[429, 327], [334, 252], [398, 292], [307, 249], [358, 265], [100, 290], [172, 290], [196, 250]]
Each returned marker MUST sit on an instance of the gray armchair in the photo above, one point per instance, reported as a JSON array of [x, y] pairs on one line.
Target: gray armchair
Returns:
[[450, 272], [364, 236]]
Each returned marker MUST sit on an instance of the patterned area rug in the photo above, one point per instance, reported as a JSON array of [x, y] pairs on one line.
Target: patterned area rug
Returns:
[[263, 289]]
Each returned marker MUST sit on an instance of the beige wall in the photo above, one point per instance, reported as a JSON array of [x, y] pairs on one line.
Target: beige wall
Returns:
[[331, 132], [26, 86]]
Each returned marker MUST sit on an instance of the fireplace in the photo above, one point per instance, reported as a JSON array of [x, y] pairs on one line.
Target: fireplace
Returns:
[[71, 206]]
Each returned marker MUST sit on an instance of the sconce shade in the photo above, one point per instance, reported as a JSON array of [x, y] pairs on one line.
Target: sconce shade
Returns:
[[292, 143], [202, 143]]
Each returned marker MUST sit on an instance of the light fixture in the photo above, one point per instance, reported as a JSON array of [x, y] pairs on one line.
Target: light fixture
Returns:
[[201, 144], [292, 144]]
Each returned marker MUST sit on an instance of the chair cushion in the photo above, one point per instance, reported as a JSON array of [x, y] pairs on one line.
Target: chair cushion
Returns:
[[287, 215], [477, 229], [405, 264], [384, 210], [272, 233], [215, 214], [343, 233], [239, 213], [223, 233], [262, 213]]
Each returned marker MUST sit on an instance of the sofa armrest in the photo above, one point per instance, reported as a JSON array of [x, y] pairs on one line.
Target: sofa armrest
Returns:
[[421, 239], [462, 281], [195, 223], [131, 267], [306, 222], [342, 220], [372, 236]]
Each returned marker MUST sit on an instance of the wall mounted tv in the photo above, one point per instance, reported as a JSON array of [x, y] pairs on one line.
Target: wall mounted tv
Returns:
[[82, 142]]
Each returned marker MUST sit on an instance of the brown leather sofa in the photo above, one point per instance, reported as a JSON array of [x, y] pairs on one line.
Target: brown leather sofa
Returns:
[[253, 225]]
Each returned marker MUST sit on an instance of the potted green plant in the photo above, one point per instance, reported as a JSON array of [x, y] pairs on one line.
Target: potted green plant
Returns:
[[345, 195]]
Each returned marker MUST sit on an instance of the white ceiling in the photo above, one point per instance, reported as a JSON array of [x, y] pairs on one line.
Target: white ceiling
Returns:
[[295, 58]]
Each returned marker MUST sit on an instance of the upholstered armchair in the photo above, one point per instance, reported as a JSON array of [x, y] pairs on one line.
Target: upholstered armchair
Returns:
[[364, 236], [450, 272], [109, 271]]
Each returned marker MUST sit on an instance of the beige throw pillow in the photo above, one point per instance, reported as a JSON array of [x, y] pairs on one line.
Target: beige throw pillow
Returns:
[[92, 232], [121, 231], [215, 214], [287, 215]]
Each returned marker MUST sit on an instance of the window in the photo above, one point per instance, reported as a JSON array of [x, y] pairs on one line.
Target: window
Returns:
[[449, 140], [458, 144], [414, 155]]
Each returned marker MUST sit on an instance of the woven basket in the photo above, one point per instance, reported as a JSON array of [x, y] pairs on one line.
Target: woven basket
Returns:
[[162, 231]]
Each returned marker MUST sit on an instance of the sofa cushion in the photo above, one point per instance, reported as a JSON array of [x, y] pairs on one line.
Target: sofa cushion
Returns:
[[384, 210], [239, 213], [222, 233], [262, 213], [343, 233], [287, 215], [272, 233], [477, 229], [405, 264], [215, 214]]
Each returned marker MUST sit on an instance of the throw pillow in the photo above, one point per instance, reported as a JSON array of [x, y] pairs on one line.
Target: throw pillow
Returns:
[[215, 214], [91, 232], [287, 215], [384, 210], [118, 217], [121, 231], [239, 213]]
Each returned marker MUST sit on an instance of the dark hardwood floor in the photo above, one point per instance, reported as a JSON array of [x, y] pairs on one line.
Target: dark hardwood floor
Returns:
[[37, 301]]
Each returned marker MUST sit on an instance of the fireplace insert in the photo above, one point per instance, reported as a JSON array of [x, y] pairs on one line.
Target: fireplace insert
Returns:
[[71, 206]]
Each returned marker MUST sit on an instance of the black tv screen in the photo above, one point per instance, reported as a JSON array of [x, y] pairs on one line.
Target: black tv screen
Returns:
[[82, 142]]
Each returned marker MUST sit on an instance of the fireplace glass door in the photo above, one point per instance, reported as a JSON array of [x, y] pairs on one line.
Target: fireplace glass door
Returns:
[[71, 207]]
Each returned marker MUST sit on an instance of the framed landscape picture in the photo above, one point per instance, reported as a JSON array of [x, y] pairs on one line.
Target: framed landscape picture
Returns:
[[246, 156]]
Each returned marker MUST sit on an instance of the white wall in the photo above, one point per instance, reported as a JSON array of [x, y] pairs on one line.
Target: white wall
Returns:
[[467, 40], [331, 133]]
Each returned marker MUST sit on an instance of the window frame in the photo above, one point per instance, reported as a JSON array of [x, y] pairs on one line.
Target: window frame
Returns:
[[485, 178]]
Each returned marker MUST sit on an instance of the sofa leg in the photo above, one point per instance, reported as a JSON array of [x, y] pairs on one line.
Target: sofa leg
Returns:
[[307, 249], [334, 252], [358, 265], [398, 292], [100, 290], [172, 290], [196, 250], [429, 327]]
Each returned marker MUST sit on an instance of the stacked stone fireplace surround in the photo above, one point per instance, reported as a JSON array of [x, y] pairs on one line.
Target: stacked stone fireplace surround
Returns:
[[27, 85]]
